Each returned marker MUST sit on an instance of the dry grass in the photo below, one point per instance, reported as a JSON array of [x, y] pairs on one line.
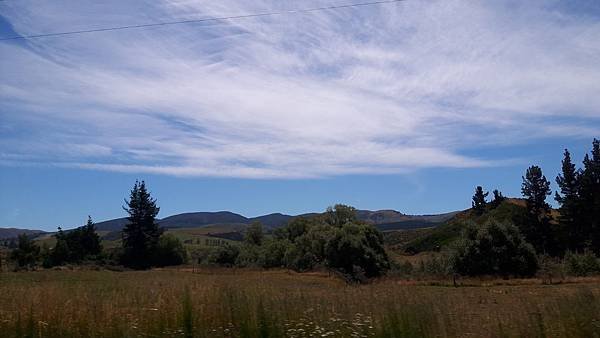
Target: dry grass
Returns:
[[232, 303]]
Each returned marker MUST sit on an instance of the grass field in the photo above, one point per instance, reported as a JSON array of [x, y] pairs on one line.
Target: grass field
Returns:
[[232, 303]]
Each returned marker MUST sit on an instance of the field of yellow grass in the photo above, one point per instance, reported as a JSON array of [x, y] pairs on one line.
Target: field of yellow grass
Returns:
[[246, 303]]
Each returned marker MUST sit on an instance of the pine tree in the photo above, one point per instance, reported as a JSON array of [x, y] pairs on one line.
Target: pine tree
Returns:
[[479, 201], [570, 223], [538, 231], [590, 196], [141, 234], [498, 199], [90, 239]]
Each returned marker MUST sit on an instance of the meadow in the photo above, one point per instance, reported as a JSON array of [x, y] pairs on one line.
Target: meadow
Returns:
[[193, 302]]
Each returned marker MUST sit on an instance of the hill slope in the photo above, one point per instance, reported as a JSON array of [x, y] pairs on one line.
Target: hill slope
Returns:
[[511, 210]]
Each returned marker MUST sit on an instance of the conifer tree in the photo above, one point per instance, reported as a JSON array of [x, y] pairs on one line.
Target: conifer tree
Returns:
[[590, 196], [141, 234], [90, 239], [538, 230], [479, 201], [570, 223], [498, 199]]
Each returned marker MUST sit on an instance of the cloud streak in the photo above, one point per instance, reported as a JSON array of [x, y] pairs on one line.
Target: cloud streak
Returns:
[[377, 90]]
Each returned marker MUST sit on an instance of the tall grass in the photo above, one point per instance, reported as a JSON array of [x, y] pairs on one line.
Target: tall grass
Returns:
[[242, 303]]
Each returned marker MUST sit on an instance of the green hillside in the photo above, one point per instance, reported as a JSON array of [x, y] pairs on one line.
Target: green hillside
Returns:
[[435, 239]]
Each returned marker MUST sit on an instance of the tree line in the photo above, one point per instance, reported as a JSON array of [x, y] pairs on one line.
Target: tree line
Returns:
[[512, 248], [144, 244]]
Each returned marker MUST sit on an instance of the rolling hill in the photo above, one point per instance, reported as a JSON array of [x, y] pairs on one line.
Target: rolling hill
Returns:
[[229, 222], [6, 233]]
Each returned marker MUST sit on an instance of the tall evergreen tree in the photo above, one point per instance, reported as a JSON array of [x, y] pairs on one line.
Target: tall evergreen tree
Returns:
[[538, 230], [141, 234], [498, 199], [479, 201], [570, 223], [90, 239], [590, 196]]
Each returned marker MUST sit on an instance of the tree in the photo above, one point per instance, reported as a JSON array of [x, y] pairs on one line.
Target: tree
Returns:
[[254, 234], [498, 199], [90, 240], [75, 245], [357, 250], [538, 230], [479, 202], [590, 196], [27, 252], [141, 234], [494, 249], [570, 223], [170, 251], [340, 214]]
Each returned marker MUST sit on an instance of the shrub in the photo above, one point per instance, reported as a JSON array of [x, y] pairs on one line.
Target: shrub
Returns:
[[494, 249], [170, 251], [585, 264], [27, 252], [226, 255], [357, 248]]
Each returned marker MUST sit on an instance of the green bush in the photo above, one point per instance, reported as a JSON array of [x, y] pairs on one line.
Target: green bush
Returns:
[[170, 251], [585, 264], [335, 239], [226, 255], [494, 249]]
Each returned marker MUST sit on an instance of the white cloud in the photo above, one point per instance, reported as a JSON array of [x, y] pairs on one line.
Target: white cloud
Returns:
[[371, 90]]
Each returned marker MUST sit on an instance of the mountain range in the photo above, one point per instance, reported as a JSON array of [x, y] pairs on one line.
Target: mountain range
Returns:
[[383, 219]]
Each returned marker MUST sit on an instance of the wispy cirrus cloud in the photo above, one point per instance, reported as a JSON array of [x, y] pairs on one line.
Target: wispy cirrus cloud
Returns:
[[369, 90]]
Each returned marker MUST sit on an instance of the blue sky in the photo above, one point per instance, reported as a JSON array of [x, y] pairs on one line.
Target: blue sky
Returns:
[[405, 106]]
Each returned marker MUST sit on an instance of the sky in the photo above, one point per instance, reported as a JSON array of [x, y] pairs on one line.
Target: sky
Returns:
[[404, 106]]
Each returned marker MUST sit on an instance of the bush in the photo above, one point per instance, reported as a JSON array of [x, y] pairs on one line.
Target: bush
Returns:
[[494, 249], [357, 249], [169, 251], [27, 252], [585, 264], [226, 255]]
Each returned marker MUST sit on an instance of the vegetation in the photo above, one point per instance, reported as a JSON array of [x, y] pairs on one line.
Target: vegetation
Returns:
[[26, 253], [494, 249], [141, 235], [479, 203], [74, 246], [246, 303], [336, 240]]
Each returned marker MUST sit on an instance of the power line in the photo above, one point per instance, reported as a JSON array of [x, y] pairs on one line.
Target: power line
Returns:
[[243, 16]]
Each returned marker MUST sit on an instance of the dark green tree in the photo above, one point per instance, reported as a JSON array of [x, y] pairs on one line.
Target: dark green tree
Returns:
[[498, 199], [76, 245], [27, 252], [254, 234], [494, 249], [590, 196], [141, 234], [537, 229], [92, 245], [570, 225], [340, 214], [170, 251], [479, 203]]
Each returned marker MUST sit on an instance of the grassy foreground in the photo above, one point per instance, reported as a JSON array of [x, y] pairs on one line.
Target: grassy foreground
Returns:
[[243, 303]]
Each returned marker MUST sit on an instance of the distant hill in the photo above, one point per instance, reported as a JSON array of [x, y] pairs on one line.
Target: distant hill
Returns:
[[231, 222], [112, 225], [198, 219], [6, 233]]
